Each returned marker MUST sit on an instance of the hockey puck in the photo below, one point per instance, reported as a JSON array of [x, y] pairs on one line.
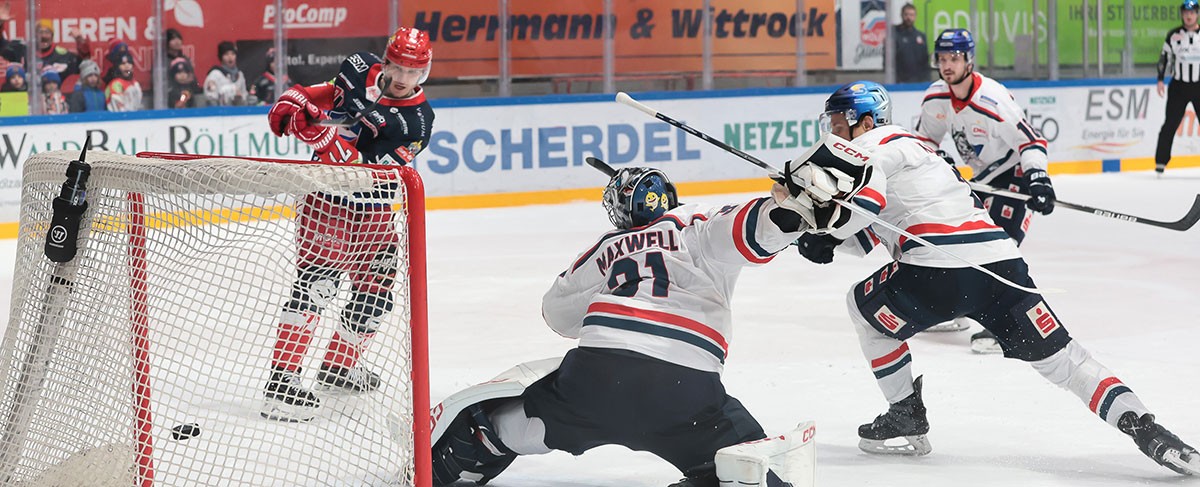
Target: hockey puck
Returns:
[[185, 431]]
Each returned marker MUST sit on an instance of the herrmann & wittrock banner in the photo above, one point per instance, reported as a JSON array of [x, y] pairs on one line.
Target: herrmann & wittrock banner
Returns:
[[539, 144]]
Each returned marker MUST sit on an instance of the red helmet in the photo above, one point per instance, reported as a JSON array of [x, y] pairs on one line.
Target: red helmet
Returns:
[[410, 47]]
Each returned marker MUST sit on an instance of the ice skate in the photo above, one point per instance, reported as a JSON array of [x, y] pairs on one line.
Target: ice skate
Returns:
[[1159, 169], [903, 420], [957, 324], [985, 342], [351, 380], [287, 399], [1160, 445]]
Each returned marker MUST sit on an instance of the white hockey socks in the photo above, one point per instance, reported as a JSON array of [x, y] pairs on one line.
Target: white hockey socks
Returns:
[[1074, 369], [890, 359], [787, 459]]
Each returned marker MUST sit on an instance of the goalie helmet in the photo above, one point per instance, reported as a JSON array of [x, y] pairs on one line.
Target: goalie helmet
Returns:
[[955, 41], [858, 100], [409, 47], [637, 196]]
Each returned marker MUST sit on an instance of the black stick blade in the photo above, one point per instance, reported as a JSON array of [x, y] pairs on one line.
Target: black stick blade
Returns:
[[601, 166]]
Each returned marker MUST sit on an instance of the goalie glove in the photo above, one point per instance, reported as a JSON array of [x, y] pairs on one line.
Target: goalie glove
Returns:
[[831, 168], [820, 217], [1041, 192]]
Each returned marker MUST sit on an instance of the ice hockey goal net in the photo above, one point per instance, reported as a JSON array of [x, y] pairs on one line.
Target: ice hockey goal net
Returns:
[[143, 361]]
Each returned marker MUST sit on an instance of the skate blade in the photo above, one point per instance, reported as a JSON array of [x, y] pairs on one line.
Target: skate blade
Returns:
[[277, 411], [986, 346], [915, 445], [1190, 466], [948, 327]]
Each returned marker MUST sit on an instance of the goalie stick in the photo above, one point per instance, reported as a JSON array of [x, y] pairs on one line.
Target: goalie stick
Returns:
[[779, 176], [352, 121], [1182, 224]]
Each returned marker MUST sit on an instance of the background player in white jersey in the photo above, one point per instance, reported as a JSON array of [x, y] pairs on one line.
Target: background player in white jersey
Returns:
[[991, 135], [347, 235], [922, 287], [649, 304]]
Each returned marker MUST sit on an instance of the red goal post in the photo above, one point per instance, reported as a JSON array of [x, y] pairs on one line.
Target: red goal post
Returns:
[[166, 317]]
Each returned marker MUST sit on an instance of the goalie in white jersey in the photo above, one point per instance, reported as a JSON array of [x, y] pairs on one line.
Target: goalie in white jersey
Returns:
[[649, 303], [928, 199], [991, 135]]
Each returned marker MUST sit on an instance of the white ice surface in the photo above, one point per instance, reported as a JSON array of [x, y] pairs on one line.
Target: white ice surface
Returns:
[[1132, 301]]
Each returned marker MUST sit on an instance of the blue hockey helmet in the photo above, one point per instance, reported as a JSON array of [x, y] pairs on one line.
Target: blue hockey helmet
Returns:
[[637, 196], [957, 41], [1189, 5], [858, 100]]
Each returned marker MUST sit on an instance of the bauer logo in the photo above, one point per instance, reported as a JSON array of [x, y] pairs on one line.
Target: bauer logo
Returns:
[[889, 319], [1042, 319]]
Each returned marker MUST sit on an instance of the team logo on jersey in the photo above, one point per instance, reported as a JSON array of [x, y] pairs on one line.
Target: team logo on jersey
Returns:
[[868, 286], [883, 275], [980, 131], [1040, 315], [1006, 212], [889, 319]]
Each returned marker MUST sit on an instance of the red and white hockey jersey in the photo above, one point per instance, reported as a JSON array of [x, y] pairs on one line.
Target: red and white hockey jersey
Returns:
[[663, 289], [989, 129], [927, 198]]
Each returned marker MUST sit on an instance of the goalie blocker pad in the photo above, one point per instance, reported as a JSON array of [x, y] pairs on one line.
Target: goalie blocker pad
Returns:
[[786, 460], [510, 383]]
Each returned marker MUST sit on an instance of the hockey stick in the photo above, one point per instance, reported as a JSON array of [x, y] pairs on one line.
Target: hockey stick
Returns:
[[778, 175], [1182, 224], [601, 166], [342, 122], [60, 248]]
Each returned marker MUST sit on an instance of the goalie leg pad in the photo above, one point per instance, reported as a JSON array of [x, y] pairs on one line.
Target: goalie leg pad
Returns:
[[470, 450], [778, 461]]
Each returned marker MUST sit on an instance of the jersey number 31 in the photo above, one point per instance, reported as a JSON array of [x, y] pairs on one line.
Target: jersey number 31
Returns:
[[625, 277]]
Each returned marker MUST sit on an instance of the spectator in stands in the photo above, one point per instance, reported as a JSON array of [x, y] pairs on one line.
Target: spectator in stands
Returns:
[[14, 78], [11, 50], [263, 89], [124, 94], [184, 91], [225, 85], [54, 57], [54, 101], [912, 52], [175, 45], [116, 49], [89, 93]]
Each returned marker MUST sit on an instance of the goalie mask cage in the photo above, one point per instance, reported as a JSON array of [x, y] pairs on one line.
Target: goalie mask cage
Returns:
[[168, 316]]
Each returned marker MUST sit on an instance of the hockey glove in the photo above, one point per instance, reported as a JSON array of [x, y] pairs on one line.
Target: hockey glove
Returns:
[[820, 217], [831, 168], [817, 247], [1041, 192], [292, 112]]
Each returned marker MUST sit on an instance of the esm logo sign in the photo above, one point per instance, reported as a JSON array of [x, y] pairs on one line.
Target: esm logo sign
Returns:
[[1113, 104]]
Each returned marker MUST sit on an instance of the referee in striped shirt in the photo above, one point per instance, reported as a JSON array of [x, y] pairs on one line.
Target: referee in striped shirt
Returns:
[[1182, 44]]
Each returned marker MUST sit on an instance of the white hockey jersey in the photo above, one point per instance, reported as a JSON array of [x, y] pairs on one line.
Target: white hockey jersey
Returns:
[[927, 198], [989, 129], [663, 289]]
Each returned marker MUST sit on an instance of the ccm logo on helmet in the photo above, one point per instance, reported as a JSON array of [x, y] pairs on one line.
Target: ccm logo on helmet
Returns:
[[850, 151]]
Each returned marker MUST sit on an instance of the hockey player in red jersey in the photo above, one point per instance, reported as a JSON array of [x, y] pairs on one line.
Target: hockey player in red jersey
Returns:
[[926, 198], [649, 304], [385, 119]]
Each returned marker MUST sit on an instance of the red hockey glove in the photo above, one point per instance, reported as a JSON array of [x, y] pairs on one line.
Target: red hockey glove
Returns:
[[298, 107]]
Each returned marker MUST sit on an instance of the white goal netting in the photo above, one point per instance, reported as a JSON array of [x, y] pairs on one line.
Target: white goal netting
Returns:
[[168, 317]]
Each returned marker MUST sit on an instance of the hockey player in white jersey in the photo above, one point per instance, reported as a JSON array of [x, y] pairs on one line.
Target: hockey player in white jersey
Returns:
[[927, 198], [991, 135], [649, 303]]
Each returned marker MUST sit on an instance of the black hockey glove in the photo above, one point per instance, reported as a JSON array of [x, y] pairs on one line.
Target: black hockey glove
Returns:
[[1041, 192], [817, 247]]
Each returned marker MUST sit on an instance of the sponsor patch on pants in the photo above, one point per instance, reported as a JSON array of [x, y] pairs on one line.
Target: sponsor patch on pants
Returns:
[[889, 319], [1040, 315]]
